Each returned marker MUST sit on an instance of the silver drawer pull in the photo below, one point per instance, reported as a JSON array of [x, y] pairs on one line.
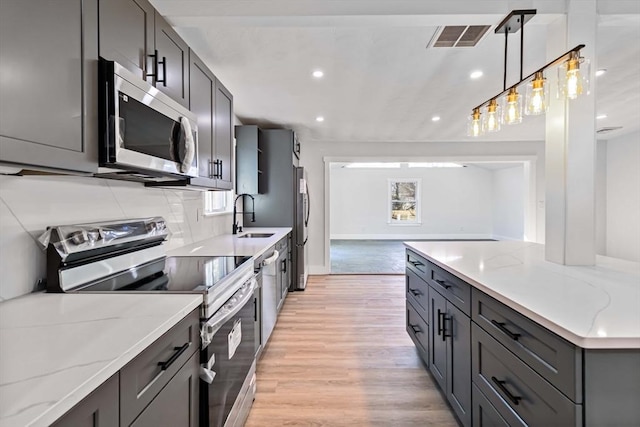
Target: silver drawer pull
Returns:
[[514, 399], [500, 325]]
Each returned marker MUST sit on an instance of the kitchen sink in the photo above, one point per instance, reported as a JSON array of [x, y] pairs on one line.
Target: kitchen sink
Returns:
[[255, 235]]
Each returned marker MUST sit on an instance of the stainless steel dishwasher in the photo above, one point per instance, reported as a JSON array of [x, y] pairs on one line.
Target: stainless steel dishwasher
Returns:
[[269, 294]]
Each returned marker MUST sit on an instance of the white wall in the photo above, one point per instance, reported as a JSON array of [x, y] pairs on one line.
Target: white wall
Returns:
[[313, 155], [508, 203], [455, 203], [623, 197], [29, 204]]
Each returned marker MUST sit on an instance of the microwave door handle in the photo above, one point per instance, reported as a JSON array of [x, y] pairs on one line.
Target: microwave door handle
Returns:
[[190, 149]]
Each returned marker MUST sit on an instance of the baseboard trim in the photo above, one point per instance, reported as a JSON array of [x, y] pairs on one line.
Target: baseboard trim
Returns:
[[499, 237]]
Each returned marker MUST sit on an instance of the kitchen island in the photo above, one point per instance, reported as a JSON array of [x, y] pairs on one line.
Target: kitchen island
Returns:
[[517, 340]]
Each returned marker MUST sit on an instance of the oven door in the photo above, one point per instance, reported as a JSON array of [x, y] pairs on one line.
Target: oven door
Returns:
[[142, 128], [229, 356]]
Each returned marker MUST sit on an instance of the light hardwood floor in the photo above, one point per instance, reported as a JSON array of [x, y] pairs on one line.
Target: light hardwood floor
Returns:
[[340, 356]]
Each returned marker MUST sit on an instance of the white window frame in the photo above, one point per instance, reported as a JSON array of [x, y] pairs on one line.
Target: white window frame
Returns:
[[217, 202], [400, 222]]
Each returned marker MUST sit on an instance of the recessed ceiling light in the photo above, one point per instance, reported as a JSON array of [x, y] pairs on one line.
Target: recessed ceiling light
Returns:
[[317, 74], [319, 119], [435, 118], [476, 74], [600, 72], [601, 116]]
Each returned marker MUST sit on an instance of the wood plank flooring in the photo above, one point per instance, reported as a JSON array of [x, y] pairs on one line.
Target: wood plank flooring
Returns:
[[340, 356]]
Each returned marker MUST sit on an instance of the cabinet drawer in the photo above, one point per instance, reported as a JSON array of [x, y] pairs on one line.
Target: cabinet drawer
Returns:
[[417, 264], [484, 414], [418, 330], [519, 394], [456, 290], [558, 361], [418, 292], [143, 378]]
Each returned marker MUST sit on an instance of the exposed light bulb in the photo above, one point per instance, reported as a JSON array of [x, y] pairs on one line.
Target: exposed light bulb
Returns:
[[572, 77], [513, 107], [474, 126], [537, 95], [492, 118]]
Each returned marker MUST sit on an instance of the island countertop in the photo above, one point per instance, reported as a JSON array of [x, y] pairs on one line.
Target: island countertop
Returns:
[[594, 307], [58, 348]]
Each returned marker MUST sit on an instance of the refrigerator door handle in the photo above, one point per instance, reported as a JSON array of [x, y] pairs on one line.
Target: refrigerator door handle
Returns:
[[306, 220]]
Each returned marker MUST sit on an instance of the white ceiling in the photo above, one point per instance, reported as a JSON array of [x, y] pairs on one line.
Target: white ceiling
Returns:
[[381, 83]]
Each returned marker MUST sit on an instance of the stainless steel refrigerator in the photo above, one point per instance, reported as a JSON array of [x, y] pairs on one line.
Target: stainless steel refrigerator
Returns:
[[284, 201]]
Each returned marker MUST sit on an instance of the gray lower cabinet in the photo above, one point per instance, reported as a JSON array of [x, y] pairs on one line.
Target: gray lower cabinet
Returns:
[[283, 275], [177, 403], [99, 409], [449, 353], [484, 413], [48, 82], [160, 387]]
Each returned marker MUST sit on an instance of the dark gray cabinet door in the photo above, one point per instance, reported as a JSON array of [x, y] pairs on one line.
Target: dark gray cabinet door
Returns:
[[172, 62], [126, 34], [177, 403], [201, 88], [48, 84], [99, 409], [437, 339], [224, 136], [458, 332]]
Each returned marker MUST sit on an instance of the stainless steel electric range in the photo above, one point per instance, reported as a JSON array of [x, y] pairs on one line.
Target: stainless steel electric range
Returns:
[[128, 256]]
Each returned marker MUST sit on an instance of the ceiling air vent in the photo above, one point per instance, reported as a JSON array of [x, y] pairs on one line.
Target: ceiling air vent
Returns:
[[458, 36], [608, 129]]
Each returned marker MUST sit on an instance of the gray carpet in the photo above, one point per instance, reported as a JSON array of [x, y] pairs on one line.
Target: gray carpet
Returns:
[[367, 256]]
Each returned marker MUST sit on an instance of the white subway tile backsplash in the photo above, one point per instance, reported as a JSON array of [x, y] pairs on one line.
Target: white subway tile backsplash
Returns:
[[31, 203]]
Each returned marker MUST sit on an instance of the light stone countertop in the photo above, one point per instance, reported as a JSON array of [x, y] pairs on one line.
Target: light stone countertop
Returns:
[[594, 307], [234, 245], [55, 349]]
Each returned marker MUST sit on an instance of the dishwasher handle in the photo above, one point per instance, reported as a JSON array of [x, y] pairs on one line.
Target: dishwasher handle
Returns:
[[272, 258], [227, 311]]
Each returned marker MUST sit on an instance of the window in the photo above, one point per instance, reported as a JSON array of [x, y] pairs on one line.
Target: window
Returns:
[[404, 201], [216, 202]]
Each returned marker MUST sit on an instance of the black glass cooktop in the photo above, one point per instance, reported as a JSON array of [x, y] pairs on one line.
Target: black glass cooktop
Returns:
[[171, 274]]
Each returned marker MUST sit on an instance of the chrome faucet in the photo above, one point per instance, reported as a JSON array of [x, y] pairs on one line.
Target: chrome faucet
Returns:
[[237, 227]]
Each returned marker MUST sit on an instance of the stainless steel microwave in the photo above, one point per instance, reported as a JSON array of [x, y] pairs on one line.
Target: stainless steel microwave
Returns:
[[142, 130]]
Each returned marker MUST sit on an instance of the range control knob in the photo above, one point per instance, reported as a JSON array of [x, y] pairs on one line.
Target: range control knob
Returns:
[[93, 235]]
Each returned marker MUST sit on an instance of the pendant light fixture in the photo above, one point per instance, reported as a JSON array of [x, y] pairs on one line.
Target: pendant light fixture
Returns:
[[573, 79], [492, 117], [512, 107], [537, 99], [474, 123]]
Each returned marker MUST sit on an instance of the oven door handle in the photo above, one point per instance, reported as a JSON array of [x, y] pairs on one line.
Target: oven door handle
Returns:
[[227, 311]]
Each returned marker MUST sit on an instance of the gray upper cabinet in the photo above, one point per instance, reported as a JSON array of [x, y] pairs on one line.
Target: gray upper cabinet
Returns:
[[171, 65], [250, 160], [202, 84], [213, 104], [127, 33], [48, 82], [224, 136], [133, 34]]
